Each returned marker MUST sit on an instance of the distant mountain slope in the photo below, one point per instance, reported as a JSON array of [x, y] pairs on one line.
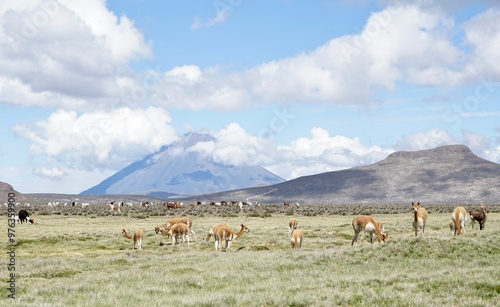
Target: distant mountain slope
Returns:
[[447, 174], [177, 171], [6, 189]]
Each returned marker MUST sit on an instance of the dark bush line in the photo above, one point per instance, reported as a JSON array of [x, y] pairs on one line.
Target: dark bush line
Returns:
[[265, 210]]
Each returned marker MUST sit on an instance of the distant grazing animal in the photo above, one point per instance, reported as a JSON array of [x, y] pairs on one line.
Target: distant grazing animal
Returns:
[[24, 216], [173, 205], [137, 237], [228, 235], [297, 238], [114, 207], [459, 217], [479, 216], [368, 224], [292, 224], [286, 203], [419, 218]]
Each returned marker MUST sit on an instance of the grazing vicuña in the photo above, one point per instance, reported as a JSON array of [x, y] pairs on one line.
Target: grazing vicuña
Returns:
[[459, 217], [368, 224]]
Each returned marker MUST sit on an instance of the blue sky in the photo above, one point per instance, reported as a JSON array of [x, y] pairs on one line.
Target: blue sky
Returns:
[[88, 87]]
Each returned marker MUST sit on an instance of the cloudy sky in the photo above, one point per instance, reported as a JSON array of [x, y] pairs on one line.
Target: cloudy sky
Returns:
[[299, 87]]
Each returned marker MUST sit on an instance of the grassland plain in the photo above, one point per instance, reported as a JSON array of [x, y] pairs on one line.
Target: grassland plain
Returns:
[[73, 260]]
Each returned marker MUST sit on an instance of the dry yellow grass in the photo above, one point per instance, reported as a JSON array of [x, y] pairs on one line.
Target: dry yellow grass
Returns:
[[77, 260]]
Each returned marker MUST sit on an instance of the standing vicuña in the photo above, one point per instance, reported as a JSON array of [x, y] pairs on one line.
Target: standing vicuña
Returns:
[[297, 238], [459, 218], [292, 225], [211, 231], [228, 235], [419, 218], [479, 216], [137, 237], [368, 224]]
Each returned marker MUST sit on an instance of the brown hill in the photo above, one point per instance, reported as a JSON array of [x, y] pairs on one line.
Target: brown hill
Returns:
[[447, 174], [6, 189]]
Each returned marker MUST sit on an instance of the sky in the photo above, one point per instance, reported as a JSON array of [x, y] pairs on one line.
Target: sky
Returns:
[[298, 87]]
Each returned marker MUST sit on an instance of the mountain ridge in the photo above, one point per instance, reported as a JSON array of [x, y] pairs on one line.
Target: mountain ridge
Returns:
[[446, 174]]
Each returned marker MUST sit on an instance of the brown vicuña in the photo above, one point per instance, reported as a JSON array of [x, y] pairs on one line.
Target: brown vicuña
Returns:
[[228, 235], [211, 231], [169, 223], [178, 231], [479, 216], [419, 218], [368, 224], [137, 237]]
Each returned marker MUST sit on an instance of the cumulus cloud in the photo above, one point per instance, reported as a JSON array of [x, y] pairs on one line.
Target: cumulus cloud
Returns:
[[234, 147], [100, 139], [69, 50], [304, 156], [76, 55], [53, 173], [482, 33], [402, 43], [478, 143], [322, 152], [425, 140]]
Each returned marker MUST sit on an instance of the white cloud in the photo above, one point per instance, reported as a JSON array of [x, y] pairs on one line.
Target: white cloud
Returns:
[[234, 146], [53, 173], [322, 152], [482, 33], [74, 52], [477, 143], [398, 44], [304, 156], [77, 58], [105, 140], [425, 140]]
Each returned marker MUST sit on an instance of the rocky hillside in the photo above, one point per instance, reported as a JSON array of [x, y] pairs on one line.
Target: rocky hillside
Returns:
[[447, 174], [6, 189]]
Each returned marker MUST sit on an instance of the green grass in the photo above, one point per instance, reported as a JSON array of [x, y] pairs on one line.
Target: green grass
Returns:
[[78, 260]]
